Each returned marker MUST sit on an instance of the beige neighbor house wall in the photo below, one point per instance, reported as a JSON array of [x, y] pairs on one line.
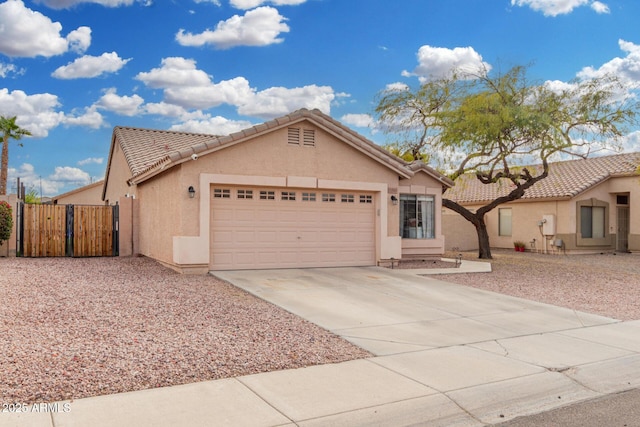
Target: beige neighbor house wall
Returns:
[[527, 214], [88, 195]]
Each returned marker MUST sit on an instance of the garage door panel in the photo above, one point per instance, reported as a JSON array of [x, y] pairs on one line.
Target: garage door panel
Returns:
[[255, 233]]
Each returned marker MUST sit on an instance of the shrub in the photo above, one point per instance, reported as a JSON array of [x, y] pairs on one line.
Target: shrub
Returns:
[[6, 221]]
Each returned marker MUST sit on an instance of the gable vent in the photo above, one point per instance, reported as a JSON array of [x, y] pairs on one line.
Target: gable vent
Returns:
[[293, 136], [309, 137]]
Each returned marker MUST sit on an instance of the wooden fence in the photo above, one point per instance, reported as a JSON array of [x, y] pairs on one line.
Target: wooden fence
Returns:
[[68, 230]]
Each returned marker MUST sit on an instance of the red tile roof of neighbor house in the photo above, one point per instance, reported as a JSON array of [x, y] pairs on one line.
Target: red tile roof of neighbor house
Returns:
[[566, 179], [149, 151]]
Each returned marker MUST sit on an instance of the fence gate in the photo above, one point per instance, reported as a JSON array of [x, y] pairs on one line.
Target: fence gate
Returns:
[[68, 230]]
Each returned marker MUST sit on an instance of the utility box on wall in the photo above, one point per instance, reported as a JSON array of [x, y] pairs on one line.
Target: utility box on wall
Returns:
[[549, 225]]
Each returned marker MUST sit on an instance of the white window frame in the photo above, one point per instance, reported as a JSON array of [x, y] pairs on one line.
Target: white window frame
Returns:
[[417, 216]]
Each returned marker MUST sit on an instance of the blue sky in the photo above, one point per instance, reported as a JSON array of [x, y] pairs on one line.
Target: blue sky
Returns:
[[71, 70]]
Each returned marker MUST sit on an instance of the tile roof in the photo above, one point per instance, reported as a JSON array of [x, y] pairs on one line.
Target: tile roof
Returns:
[[566, 179], [148, 151], [146, 148]]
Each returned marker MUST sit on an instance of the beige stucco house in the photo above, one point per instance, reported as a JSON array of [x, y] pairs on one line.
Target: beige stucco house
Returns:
[[87, 195], [586, 205], [302, 190]]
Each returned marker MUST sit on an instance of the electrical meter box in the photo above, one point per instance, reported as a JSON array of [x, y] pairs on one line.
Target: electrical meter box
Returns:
[[549, 225]]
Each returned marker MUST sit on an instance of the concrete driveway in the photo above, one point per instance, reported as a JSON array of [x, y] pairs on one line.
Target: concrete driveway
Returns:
[[394, 311], [483, 357]]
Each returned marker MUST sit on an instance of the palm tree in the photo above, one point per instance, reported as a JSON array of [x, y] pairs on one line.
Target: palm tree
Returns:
[[10, 130]]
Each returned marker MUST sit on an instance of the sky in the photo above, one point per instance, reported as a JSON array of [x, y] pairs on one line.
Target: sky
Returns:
[[71, 70]]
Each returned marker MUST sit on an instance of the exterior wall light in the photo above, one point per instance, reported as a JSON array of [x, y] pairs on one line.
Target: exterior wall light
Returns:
[[394, 199], [192, 192]]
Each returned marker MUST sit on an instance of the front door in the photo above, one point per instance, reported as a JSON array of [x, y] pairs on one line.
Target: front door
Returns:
[[622, 244]]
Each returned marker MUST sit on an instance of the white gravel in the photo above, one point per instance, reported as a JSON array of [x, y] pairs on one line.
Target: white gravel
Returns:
[[74, 328], [604, 284]]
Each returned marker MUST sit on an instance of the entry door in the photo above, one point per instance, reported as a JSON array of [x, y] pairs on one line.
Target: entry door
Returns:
[[622, 243]]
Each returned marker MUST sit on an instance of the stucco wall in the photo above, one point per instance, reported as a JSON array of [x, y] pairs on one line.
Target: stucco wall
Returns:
[[118, 174], [270, 155], [526, 214], [87, 195], [162, 205]]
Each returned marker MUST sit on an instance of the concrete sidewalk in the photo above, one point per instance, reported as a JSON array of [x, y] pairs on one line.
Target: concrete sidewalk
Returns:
[[444, 354]]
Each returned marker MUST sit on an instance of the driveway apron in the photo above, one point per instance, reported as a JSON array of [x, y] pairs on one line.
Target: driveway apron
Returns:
[[479, 357]]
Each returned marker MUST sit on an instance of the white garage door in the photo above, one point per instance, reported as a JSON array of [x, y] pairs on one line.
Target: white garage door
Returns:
[[255, 228]]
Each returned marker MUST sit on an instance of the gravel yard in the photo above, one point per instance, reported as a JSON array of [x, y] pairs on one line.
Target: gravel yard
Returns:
[[604, 284], [79, 327], [75, 328]]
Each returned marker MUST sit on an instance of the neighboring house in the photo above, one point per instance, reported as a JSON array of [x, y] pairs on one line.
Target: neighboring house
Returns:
[[88, 195], [302, 190], [586, 205]]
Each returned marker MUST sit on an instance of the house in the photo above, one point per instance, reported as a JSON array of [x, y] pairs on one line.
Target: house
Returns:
[[302, 190], [87, 195], [586, 205]]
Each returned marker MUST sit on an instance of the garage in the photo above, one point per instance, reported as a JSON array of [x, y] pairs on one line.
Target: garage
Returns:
[[261, 228]]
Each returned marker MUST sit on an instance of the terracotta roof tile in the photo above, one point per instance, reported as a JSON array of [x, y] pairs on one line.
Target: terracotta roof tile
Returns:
[[146, 148], [566, 179]]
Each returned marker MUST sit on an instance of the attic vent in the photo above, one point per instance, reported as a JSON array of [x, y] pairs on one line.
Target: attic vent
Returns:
[[293, 136], [309, 137]]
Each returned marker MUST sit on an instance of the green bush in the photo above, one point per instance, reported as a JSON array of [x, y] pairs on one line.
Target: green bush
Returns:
[[6, 221]]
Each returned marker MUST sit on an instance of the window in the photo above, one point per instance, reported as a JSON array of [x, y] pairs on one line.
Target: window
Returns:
[[504, 222], [366, 199], [417, 216], [219, 193], [592, 222], [267, 195], [328, 197], [245, 194], [308, 197], [288, 195], [347, 198]]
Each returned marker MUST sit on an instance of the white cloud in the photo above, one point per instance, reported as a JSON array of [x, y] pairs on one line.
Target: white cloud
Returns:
[[233, 92], [215, 2], [175, 72], [26, 33], [437, 62], [79, 40], [66, 4], [90, 119], [91, 160], [189, 88], [358, 120], [560, 7], [626, 68], [36, 113], [397, 86], [31, 179], [70, 175], [123, 105], [250, 4], [599, 7], [8, 69], [258, 27], [278, 101], [212, 126], [91, 66]]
